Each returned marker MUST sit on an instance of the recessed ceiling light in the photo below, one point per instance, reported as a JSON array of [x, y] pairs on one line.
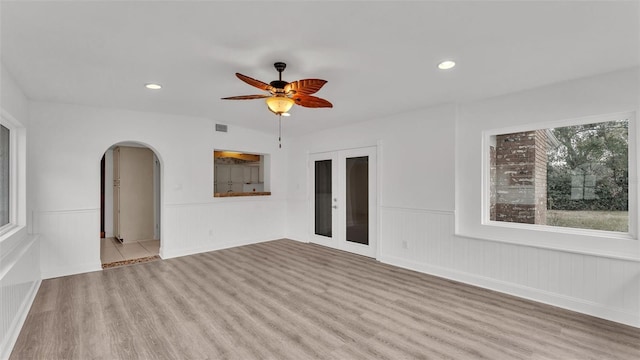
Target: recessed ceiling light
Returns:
[[153, 86], [446, 65]]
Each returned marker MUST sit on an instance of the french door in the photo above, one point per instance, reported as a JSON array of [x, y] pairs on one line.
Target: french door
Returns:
[[343, 200]]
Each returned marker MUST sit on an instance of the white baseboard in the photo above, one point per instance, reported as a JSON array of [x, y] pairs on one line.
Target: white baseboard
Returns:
[[561, 301], [71, 270], [298, 240], [14, 329], [168, 254]]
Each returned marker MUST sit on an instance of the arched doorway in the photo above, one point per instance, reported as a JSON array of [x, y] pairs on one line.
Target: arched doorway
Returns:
[[130, 204]]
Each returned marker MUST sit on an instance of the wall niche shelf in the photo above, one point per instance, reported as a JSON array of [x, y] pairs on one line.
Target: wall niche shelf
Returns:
[[234, 194]]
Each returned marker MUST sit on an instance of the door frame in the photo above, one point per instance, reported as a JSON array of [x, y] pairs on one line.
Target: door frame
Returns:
[[338, 241], [332, 241], [160, 206]]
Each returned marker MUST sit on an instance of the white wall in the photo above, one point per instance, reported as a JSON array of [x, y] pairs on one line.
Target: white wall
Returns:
[[416, 198], [19, 253], [415, 162], [66, 144], [12, 99]]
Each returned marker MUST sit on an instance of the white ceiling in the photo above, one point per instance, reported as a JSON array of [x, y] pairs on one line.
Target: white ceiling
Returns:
[[379, 58]]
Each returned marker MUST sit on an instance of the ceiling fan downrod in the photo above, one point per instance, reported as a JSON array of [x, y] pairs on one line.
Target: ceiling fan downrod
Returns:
[[280, 66], [279, 84]]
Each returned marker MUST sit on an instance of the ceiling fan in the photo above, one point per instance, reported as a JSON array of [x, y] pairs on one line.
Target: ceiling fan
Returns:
[[283, 95]]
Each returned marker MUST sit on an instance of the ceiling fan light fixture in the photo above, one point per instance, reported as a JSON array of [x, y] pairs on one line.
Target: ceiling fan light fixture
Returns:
[[279, 105]]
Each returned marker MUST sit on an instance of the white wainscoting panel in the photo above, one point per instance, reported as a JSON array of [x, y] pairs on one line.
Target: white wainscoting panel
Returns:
[[19, 283], [298, 220], [424, 240], [195, 228], [69, 241]]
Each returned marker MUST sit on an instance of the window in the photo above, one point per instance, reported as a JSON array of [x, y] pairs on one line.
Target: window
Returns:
[[12, 175], [573, 176], [240, 174], [5, 175]]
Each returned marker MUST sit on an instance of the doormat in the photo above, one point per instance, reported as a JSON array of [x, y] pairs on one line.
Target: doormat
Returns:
[[130, 262]]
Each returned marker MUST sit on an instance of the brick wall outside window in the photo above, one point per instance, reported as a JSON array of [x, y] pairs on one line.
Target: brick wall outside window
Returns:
[[519, 178]]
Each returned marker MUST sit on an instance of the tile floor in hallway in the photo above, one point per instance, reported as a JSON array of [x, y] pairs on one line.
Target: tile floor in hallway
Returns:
[[111, 250]]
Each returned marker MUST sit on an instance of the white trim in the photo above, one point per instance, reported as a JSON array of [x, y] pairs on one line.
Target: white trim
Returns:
[[378, 198], [593, 119], [13, 171], [8, 230], [420, 210], [18, 173], [221, 203], [564, 230], [16, 254], [66, 211], [168, 254], [59, 271]]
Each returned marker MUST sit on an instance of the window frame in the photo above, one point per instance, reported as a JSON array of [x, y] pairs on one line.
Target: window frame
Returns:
[[631, 234], [14, 127]]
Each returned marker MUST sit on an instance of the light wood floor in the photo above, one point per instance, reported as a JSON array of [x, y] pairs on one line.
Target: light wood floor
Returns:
[[287, 300]]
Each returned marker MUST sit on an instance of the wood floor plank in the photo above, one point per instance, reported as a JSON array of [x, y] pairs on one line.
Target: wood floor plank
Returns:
[[288, 300]]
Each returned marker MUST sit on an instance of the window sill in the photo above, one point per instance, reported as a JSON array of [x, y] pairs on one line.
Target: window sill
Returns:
[[563, 230], [8, 230], [236, 194], [586, 242]]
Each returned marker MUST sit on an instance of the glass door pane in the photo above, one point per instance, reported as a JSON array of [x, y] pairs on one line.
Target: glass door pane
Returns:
[[323, 194], [357, 199]]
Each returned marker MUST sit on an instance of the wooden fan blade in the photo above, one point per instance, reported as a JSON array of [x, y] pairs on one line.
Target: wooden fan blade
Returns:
[[246, 97], [253, 82], [311, 101], [305, 86]]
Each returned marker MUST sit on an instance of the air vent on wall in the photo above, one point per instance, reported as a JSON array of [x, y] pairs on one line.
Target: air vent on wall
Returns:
[[221, 128]]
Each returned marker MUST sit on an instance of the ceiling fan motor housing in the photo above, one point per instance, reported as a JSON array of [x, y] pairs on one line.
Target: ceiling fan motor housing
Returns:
[[278, 84]]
